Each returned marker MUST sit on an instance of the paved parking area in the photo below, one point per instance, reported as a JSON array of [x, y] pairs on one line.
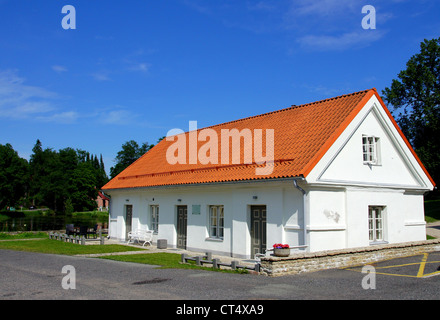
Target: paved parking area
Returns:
[[34, 276], [417, 266]]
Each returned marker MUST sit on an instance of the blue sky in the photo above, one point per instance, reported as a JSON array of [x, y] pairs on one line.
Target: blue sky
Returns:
[[133, 70]]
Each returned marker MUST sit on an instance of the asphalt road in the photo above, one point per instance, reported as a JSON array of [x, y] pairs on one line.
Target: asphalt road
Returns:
[[34, 276]]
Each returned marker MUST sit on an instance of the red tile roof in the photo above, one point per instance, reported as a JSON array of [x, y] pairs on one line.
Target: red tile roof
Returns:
[[302, 135], [102, 196]]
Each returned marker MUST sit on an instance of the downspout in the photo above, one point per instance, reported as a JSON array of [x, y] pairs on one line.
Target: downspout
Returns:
[[295, 184]]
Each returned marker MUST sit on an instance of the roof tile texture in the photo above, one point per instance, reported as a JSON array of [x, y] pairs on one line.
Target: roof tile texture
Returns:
[[302, 134]]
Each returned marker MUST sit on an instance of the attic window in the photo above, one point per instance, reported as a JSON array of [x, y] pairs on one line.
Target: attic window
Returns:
[[371, 150]]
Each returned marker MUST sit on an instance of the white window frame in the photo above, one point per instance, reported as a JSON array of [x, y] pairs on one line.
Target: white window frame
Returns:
[[154, 218], [371, 150], [376, 224], [216, 222]]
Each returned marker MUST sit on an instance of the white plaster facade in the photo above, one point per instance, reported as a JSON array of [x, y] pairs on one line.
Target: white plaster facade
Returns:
[[328, 209]]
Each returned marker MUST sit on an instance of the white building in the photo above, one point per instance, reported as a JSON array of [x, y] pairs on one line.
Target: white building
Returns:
[[343, 175]]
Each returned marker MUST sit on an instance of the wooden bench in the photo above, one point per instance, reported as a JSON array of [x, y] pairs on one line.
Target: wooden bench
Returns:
[[145, 236]]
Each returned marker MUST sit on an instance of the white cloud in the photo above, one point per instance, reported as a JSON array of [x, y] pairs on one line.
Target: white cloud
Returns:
[[18, 100], [63, 117], [197, 6], [21, 101], [323, 8], [261, 6], [135, 61], [142, 67], [59, 69], [101, 76], [355, 39], [118, 115]]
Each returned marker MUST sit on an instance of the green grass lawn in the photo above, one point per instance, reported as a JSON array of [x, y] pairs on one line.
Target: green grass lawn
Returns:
[[166, 260], [432, 210], [44, 245], [163, 259], [22, 235], [60, 247]]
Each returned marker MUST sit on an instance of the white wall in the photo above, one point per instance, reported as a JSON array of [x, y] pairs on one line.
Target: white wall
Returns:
[[282, 200], [397, 183], [327, 218], [343, 163]]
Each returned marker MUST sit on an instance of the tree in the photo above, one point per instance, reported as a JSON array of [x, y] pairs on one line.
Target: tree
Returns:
[[48, 184], [82, 187], [68, 207], [97, 165], [13, 176], [65, 179], [415, 98], [36, 169], [130, 153]]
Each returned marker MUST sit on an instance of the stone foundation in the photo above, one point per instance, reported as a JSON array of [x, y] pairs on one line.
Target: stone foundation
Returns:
[[315, 261]]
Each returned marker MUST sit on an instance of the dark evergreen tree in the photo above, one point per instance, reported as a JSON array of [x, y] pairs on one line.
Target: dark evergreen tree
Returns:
[[130, 153], [14, 173]]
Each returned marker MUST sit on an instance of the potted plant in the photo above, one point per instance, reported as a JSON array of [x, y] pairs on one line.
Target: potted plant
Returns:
[[281, 250]]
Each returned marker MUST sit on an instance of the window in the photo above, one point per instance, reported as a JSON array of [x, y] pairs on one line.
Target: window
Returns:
[[154, 211], [216, 222], [376, 223], [371, 151]]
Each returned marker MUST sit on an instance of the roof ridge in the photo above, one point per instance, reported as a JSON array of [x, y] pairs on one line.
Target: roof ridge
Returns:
[[288, 108], [337, 97]]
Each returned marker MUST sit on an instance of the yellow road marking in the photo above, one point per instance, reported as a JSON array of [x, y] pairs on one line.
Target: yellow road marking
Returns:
[[420, 273], [431, 274], [422, 265]]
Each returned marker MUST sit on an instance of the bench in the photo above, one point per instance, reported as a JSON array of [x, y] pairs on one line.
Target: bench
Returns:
[[145, 236]]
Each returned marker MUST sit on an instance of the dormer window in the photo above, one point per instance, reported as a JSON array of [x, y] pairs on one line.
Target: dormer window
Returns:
[[371, 150]]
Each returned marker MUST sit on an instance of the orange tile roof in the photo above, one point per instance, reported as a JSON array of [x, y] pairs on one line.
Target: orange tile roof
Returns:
[[302, 135]]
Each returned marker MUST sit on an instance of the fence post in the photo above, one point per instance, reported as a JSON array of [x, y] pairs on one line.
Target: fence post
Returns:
[[257, 267], [183, 258], [215, 263], [209, 256], [101, 240], [234, 265], [83, 241], [198, 261]]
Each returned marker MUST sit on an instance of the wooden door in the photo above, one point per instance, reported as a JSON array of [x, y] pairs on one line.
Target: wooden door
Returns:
[[182, 218], [258, 230], [128, 219]]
